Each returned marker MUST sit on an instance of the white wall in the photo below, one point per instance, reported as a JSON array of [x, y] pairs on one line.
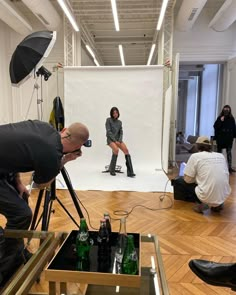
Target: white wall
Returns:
[[5, 97]]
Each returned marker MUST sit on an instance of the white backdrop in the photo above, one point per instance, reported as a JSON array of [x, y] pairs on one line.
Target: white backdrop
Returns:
[[90, 93]]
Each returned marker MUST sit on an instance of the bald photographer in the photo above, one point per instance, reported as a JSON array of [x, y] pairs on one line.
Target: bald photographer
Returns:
[[30, 146]]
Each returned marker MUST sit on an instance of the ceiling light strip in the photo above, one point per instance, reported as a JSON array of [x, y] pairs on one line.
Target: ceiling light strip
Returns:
[[121, 55], [90, 51], [69, 14], [115, 14], [93, 55], [96, 62], [151, 54], [162, 14]]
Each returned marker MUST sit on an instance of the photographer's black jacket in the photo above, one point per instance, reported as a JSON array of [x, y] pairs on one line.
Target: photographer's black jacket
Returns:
[[30, 146]]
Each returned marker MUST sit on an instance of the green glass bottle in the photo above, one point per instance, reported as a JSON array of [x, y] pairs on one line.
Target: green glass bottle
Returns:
[[130, 259], [83, 247], [120, 245]]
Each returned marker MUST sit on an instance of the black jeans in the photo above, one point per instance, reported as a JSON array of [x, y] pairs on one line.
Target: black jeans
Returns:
[[16, 211], [184, 191], [228, 154]]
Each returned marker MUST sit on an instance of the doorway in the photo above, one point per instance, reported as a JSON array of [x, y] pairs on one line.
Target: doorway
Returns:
[[199, 97]]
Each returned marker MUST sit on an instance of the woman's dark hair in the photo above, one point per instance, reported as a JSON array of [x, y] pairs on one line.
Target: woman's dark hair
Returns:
[[226, 106], [113, 109]]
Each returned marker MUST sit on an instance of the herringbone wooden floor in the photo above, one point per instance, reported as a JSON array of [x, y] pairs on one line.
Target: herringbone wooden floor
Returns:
[[183, 234]]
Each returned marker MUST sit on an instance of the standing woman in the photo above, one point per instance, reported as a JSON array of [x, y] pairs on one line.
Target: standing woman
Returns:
[[225, 132], [114, 133]]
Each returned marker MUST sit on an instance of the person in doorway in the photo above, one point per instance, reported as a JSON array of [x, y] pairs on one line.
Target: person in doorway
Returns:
[[31, 146], [206, 178], [114, 134], [225, 132]]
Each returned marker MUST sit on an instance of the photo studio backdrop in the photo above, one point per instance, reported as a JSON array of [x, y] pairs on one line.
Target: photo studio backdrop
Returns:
[[137, 91]]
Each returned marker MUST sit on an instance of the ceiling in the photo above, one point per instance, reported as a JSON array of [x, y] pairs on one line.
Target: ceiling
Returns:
[[137, 19]]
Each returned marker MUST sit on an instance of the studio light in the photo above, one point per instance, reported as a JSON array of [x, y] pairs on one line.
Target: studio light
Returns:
[[30, 55], [44, 72]]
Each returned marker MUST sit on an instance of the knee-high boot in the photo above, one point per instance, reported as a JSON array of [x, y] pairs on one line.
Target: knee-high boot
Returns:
[[112, 166], [130, 172]]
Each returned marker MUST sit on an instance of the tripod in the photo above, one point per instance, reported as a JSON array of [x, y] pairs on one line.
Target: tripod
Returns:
[[49, 197]]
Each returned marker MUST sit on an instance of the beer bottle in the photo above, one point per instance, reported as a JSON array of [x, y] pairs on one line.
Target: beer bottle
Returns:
[[108, 222], [130, 259], [120, 246], [83, 247], [104, 253]]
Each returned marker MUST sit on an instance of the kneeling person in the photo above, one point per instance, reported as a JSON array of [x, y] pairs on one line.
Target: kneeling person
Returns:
[[206, 173]]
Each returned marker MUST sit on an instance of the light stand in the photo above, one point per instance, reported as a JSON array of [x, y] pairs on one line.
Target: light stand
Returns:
[[43, 72], [40, 102]]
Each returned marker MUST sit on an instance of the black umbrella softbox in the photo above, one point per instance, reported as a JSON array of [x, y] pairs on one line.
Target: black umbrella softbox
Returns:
[[30, 54]]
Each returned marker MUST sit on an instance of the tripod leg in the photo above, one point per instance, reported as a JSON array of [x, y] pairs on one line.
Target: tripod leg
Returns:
[[36, 211], [46, 212], [72, 193], [50, 196], [68, 213]]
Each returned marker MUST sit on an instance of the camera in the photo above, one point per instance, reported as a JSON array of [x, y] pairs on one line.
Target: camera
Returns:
[[44, 72], [88, 143]]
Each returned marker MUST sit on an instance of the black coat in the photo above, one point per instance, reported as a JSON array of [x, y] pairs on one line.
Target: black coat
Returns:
[[225, 131]]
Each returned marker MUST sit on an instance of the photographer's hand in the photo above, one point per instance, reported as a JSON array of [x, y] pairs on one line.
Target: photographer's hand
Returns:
[[70, 157], [23, 191], [20, 187]]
